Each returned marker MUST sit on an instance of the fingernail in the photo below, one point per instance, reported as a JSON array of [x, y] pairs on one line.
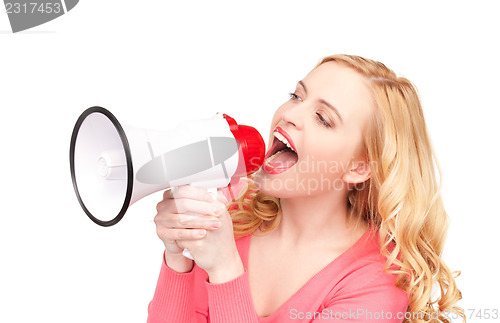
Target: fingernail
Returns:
[[201, 232], [216, 224], [208, 197], [216, 209]]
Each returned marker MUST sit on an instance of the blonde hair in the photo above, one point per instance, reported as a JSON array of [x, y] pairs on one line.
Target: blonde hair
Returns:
[[401, 199]]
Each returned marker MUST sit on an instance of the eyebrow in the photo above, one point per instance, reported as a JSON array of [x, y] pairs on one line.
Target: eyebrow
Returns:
[[325, 103]]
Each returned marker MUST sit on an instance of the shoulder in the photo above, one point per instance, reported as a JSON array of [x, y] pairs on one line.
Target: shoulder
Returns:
[[362, 282], [370, 284]]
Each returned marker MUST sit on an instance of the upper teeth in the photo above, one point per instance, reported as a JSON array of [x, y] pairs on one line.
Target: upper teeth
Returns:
[[283, 140]]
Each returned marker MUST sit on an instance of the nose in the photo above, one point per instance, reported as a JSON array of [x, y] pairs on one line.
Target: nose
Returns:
[[293, 115]]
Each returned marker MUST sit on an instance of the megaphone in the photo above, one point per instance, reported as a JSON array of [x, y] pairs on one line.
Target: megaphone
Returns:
[[113, 166]]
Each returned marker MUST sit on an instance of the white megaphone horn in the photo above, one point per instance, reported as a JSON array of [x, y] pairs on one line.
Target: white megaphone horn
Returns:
[[113, 166]]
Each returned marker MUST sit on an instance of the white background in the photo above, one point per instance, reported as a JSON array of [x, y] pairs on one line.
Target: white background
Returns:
[[154, 63]]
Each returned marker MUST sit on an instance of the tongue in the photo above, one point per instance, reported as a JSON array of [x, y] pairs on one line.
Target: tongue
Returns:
[[284, 159]]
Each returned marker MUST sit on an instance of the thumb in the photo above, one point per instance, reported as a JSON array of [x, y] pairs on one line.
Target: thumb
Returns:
[[221, 198]]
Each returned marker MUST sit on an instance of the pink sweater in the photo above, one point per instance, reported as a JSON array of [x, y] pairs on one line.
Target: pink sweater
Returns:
[[352, 288]]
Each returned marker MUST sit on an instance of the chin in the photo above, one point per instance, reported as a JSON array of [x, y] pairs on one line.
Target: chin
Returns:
[[265, 183], [283, 185]]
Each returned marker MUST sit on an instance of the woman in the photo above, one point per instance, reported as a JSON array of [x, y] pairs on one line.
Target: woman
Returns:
[[343, 222]]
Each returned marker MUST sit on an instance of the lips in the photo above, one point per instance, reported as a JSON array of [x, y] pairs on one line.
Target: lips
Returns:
[[287, 137], [282, 155]]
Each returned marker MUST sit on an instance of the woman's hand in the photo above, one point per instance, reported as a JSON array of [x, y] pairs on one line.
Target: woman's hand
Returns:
[[180, 219], [188, 217]]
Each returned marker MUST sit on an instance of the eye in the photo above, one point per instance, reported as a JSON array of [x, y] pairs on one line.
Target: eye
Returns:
[[322, 120], [294, 96]]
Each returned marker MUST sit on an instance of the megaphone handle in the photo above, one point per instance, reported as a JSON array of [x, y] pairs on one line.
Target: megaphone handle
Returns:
[[213, 192]]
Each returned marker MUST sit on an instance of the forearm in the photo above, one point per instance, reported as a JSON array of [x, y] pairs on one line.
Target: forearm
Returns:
[[227, 271], [173, 297], [231, 301], [178, 263]]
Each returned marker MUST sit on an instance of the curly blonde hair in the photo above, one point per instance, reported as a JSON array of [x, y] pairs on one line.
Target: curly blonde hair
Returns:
[[401, 199]]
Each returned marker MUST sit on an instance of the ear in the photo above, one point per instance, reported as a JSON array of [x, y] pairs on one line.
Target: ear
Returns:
[[358, 172]]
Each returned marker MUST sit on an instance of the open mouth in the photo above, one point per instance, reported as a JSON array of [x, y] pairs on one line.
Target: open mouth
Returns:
[[282, 155]]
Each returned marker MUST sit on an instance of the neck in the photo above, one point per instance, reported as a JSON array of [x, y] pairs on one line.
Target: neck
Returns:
[[314, 218]]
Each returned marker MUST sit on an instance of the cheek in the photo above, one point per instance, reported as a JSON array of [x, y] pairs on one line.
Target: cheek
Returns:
[[327, 158]]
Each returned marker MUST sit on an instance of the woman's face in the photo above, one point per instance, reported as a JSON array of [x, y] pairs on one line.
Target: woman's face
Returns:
[[322, 122]]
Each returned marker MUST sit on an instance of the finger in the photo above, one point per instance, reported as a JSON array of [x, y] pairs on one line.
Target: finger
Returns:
[[184, 221], [169, 208], [191, 192], [190, 245], [171, 235], [190, 206], [221, 198], [168, 194]]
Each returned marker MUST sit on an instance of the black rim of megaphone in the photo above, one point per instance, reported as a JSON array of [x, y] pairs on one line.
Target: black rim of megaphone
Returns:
[[128, 155]]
